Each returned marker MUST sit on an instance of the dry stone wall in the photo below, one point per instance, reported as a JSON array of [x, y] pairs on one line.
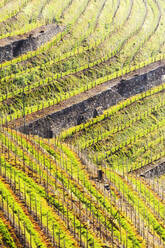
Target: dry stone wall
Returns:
[[12, 47], [78, 113], [156, 171]]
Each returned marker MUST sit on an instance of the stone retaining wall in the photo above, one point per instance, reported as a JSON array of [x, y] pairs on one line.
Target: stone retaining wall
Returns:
[[80, 112], [12, 47], [156, 171]]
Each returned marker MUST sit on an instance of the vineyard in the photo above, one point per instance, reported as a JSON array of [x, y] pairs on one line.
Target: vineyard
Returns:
[[96, 179]]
